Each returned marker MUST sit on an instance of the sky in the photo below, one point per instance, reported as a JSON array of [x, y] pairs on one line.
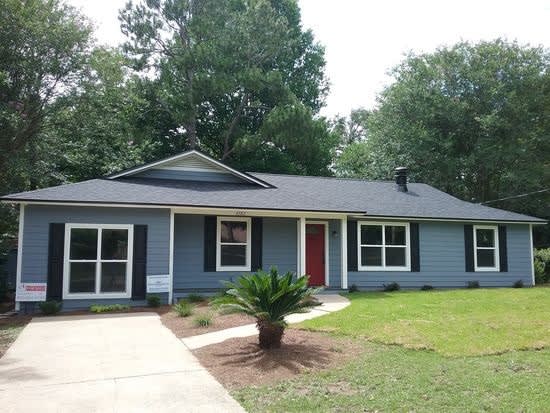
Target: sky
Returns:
[[364, 39]]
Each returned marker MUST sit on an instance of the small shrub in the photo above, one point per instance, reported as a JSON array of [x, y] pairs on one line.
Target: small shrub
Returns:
[[472, 284], [391, 286], [518, 284], [183, 308], [99, 308], [50, 307], [353, 288], [153, 301], [195, 298], [542, 265], [203, 320], [426, 287]]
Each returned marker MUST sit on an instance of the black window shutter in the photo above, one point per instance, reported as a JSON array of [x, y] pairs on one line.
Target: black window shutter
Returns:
[[256, 247], [415, 247], [139, 263], [502, 248], [56, 249], [209, 243], [352, 245], [469, 247]]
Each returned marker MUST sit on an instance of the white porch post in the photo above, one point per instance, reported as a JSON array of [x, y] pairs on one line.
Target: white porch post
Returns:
[[171, 259], [344, 251], [531, 246], [301, 246], [19, 253]]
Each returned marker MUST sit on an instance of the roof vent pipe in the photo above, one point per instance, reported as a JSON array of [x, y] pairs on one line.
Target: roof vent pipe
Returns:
[[401, 178]]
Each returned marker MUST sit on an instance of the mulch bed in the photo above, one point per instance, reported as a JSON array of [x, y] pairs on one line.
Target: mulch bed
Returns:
[[239, 362], [185, 327]]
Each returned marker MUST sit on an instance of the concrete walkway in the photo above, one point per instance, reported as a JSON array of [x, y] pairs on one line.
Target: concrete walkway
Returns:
[[331, 303], [106, 363]]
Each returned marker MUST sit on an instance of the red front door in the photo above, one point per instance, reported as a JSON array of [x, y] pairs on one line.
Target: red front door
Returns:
[[315, 253]]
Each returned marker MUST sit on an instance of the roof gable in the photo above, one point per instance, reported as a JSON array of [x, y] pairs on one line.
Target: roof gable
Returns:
[[191, 166]]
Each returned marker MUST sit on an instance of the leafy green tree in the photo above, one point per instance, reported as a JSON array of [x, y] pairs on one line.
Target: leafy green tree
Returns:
[[352, 128], [472, 120], [269, 298], [96, 128], [44, 45], [222, 67]]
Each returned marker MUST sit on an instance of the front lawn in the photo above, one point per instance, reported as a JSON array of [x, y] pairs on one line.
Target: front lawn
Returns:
[[452, 351], [394, 379], [453, 323]]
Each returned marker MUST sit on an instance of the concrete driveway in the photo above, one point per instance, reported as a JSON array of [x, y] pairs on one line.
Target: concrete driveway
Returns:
[[106, 363]]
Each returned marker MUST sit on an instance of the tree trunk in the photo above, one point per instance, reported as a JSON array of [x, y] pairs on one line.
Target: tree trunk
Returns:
[[270, 334]]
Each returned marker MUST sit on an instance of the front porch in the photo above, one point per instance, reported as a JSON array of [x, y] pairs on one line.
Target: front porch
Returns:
[[251, 240]]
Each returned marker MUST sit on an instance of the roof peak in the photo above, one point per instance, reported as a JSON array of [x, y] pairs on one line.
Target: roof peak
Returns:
[[187, 155]]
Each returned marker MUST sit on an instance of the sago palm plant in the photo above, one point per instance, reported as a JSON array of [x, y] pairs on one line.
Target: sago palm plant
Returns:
[[269, 297]]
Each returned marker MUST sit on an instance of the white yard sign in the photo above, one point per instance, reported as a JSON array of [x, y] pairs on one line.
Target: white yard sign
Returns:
[[158, 283], [31, 292]]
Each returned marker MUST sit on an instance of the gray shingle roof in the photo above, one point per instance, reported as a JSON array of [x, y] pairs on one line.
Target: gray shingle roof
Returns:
[[299, 193]]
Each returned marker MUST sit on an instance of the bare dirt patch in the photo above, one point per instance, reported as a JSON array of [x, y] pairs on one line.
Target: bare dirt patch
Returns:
[[185, 327], [239, 362]]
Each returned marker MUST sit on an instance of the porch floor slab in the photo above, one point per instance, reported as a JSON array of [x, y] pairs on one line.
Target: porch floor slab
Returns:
[[330, 303]]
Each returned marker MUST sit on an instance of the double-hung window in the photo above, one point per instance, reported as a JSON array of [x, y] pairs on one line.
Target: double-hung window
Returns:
[[383, 246], [486, 254], [98, 261], [233, 244]]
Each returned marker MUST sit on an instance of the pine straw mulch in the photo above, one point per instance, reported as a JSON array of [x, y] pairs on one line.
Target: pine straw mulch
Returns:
[[185, 326], [238, 362]]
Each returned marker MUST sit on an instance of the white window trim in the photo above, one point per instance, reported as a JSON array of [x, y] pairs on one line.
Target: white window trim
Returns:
[[246, 267], [383, 267], [496, 268], [66, 262]]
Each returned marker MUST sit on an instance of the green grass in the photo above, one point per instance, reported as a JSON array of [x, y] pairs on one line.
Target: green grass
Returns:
[[108, 308], [459, 351], [453, 323], [391, 378]]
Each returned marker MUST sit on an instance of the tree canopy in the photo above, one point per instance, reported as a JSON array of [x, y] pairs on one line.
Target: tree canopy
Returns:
[[471, 119], [223, 68]]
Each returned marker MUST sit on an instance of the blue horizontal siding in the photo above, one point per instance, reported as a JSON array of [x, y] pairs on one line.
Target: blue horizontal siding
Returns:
[[335, 263], [189, 176], [442, 261], [36, 232], [278, 248]]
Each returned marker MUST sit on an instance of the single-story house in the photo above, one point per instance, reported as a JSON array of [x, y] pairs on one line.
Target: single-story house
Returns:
[[187, 222]]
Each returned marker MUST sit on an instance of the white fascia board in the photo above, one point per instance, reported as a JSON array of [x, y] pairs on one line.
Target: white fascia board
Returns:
[[202, 210], [390, 218]]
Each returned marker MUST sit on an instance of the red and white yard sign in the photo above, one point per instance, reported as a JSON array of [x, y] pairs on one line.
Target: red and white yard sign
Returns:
[[31, 292]]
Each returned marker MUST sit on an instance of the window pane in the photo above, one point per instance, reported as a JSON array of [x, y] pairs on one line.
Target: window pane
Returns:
[[114, 244], [395, 235], [395, 257], [371, 256], [233, 231], [113, 277], [485, 258], [485, 237], [83, 244], [82, 277], [233, 255], [371, 234]]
